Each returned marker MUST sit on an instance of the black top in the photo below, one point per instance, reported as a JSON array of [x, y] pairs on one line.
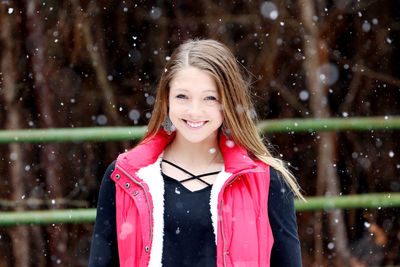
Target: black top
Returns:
[[187, 217], [281, 212]]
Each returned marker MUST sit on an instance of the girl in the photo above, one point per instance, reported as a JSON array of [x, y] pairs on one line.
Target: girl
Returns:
[[200, 189]]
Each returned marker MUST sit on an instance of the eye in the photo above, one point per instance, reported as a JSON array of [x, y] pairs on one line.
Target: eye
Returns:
[[181, 96], [212, 98]]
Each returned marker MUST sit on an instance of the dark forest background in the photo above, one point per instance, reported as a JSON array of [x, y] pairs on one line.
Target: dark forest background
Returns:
[[96, 63]]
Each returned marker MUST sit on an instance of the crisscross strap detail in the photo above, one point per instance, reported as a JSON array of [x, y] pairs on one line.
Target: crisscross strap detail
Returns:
[[198, 177]]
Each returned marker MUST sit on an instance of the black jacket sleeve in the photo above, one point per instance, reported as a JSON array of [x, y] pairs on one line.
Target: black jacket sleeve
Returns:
[[104, 247], [282, 216]]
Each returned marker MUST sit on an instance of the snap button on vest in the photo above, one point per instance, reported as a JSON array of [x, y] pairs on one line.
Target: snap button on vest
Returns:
[[117, 176], [127, 185], [147, 249]]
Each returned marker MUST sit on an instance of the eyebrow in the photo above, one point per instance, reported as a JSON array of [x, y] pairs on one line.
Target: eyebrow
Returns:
[[186, 90]]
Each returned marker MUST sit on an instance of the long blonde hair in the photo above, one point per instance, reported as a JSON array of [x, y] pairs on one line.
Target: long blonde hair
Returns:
[[216, 59]]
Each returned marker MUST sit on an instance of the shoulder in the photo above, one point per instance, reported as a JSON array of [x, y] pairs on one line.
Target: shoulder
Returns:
[[110, 169], [276, 179], [107, 184], [275, 176], [278, 188]]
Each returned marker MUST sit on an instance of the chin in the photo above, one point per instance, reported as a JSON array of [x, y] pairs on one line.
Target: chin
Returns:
[[196, 139]]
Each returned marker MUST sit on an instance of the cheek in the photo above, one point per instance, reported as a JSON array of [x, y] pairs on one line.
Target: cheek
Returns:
[[174, 112], [222, 119], [220, 109], [220, 115]]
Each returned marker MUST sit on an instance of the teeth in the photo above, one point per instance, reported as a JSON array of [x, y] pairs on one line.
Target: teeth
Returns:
[[195, 125]]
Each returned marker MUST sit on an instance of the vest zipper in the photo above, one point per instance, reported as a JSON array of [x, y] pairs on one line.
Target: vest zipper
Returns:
[[147, 199], [220, 213], [222, 231], [222, 224]]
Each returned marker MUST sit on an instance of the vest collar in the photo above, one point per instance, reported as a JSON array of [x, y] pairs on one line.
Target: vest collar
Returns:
[[236, 157], [148, 151]]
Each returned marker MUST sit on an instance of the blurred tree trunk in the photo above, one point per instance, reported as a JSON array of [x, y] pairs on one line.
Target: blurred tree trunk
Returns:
[[268, 62], [98, 61], [315, 49], [19, 234], [44, 104]]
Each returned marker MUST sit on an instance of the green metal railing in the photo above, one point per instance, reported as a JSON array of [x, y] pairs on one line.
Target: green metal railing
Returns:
[[100, 134], [383, 200], [11, 218], [330, 124], [373, 201]]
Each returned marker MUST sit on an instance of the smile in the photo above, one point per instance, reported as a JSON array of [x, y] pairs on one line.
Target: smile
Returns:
[[192, 124]]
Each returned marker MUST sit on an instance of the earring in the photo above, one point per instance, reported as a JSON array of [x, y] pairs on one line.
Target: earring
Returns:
[[225, 130], [168, 126]]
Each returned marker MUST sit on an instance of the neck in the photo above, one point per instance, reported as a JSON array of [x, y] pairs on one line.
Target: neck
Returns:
[[185, 153]]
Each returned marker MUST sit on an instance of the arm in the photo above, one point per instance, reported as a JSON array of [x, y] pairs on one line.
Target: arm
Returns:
[[104, 246], [282, 216]]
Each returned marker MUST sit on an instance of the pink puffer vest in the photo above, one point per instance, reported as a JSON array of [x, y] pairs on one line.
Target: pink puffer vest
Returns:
[[238, 203]]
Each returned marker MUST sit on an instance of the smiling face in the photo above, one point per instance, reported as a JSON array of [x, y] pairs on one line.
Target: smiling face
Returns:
[[194, 105]]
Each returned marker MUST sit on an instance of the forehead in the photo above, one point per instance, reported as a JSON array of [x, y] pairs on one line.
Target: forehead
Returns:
[[193, 79]]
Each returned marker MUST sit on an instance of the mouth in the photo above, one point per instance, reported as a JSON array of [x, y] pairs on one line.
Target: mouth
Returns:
[[195, 124]]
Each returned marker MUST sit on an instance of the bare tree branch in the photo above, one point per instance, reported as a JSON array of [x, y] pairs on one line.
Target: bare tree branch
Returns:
[[316, 54], [365, 71]]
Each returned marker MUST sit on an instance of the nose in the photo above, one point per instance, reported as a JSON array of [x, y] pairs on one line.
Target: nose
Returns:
[[194, 109]]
